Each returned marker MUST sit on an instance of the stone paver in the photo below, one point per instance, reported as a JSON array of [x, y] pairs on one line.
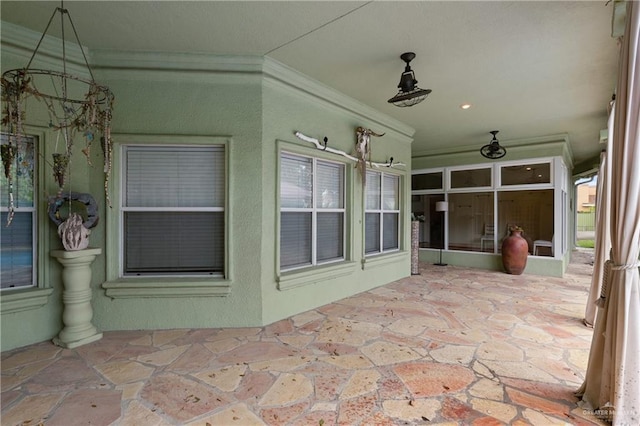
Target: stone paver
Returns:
[[451, 346]]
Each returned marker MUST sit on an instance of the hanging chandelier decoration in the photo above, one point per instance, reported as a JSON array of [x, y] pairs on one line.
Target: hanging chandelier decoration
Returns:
[[75, 105], [409, 94], [493, 150]]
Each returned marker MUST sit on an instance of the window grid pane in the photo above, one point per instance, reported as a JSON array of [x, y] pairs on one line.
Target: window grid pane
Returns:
[[391, 193], [174, 177], [426, 181], [330, 184], [372, 233], [373, 191], [16, 262], [295, 239], [390, 228], [164, 242], [471, 178], [330, 236], [525, 174], [296, 182]]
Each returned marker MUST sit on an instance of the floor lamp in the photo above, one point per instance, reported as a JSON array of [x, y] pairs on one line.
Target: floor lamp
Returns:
[[441, 206]]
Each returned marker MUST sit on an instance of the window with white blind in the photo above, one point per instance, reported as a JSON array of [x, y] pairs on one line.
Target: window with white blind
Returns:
[[382, 213], [173, 210], [17, 240], [312, 211]]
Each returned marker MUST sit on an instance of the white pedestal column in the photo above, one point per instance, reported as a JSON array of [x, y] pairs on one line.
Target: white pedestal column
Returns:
[[77, 315]]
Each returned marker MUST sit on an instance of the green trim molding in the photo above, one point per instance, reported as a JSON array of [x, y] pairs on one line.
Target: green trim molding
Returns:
[[166, 287], [23, 300]]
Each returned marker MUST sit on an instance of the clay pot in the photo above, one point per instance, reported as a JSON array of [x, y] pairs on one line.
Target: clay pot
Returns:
[[514, 252]]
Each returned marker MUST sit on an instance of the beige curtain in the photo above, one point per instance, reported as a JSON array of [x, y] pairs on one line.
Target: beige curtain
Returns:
[[603, 232], [613, 372]]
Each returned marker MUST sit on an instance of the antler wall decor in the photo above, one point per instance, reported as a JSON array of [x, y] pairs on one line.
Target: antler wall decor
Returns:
[[324, 147]]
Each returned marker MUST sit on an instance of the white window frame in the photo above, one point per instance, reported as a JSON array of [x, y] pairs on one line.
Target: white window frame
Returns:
[[440, 190], [31, 209], [483, 166], [124, 209], [27, 298], [558, 170], [526, 186], [381, 212], [118, 286], [314, 209]]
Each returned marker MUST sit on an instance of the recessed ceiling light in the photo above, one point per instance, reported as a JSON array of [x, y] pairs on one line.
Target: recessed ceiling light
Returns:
[[465, 106]]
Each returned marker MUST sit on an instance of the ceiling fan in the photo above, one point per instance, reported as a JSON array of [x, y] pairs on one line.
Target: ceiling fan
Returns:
[[493, 150]]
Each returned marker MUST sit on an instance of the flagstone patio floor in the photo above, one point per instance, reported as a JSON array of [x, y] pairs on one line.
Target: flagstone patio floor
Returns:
[[450, 346]]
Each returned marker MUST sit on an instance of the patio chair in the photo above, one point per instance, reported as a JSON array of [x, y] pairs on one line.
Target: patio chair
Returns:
[[489, 233], [542, 243]]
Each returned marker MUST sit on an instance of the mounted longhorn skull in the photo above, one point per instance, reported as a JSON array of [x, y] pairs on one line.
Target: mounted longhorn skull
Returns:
[[363, 150]]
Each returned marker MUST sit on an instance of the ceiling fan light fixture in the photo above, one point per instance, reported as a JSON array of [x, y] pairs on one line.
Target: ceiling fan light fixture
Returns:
[[493, 150], [409, 94]]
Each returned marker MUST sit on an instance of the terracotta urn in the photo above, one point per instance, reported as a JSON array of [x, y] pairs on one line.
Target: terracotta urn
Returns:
[[514, 252]]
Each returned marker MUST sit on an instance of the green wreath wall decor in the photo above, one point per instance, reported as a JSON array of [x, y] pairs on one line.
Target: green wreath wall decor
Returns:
[[90, 205]]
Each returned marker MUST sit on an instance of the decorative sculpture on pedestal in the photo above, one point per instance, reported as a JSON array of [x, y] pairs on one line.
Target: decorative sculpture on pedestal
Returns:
[[76, 276], [76, 259]]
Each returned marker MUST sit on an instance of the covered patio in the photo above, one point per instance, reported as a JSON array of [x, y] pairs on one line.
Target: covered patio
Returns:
[[451, 345]]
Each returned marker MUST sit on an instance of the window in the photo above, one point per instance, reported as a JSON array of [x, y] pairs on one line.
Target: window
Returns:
[[471, 178], [382, 213], [173, 210], [426, 181], [471, 226], [17, 241], [532, 211], [312, 211], [526, 174], [431, 234], [485, 200]]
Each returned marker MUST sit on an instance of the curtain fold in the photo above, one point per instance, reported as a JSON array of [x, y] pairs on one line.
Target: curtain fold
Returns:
[[613, 371], [603, 232]]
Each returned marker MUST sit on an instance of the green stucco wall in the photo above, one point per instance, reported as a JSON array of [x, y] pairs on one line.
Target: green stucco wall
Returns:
[[287, 111], [255, 105]]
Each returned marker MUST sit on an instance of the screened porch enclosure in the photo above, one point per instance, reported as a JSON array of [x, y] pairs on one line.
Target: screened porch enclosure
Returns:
[[485, 200]]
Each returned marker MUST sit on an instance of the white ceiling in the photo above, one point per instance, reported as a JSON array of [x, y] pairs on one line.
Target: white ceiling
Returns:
[[530, 69]]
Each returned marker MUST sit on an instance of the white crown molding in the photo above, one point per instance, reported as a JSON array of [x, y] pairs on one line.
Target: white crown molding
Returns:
[[542, 141], [551, 145], [188, 65], [175, 61]]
